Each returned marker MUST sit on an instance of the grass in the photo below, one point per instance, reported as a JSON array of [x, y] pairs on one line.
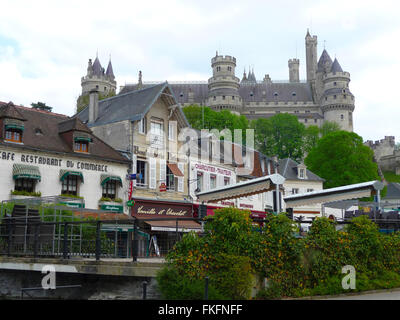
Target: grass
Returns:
[[391, 176]]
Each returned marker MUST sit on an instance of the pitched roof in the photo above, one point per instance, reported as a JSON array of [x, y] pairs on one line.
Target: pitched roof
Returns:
[[9, 110], [336, 66], [132, 106], [288, 169], [41, 132]]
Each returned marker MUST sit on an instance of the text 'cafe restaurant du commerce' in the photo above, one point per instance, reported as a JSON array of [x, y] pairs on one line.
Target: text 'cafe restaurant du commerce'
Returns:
[[48, 154]]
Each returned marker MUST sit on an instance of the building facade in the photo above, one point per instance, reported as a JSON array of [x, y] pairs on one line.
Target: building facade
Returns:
[[324, 96], [48, 154]]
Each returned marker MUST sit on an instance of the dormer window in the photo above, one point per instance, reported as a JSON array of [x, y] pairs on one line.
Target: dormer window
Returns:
[[13, 133], [81, 144]]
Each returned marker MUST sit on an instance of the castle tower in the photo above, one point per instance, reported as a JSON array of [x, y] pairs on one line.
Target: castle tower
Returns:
[[98, 78], [337, 102], [223, 86], [294, 65], [311, 56]]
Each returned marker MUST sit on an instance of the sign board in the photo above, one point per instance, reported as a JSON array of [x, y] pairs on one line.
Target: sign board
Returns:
[[163, 187], [112, 207], [130, 203]]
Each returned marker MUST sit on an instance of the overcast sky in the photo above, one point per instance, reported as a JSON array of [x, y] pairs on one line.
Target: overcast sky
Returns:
[[45, 46]]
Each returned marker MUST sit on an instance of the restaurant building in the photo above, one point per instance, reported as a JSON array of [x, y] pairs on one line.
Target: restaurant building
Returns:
[[49, 154]]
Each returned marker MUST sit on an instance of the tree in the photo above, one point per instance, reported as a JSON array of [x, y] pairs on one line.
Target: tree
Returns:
[[311, 138], [341, 158], [280, 135], [201, 117], [41, 106], [328, 127]]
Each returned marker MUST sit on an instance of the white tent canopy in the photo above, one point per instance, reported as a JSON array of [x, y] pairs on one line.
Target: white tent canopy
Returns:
[[242, 189], [353, 191]]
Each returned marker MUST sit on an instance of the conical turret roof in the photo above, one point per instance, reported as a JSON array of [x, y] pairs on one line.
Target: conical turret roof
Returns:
[[97, 68], [336, 66], [110, 71], [324, 60]]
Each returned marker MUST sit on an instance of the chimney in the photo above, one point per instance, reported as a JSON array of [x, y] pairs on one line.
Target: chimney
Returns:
[[294, 70], [93, 105]]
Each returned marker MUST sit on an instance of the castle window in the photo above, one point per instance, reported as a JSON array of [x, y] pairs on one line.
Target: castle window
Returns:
[[326, 98], [334, 97], [181, 94], [233, 97], [307, 111], [275, 94], [293, 94], [297, 111], [13, 135], [344, 96], [341, 117], [335, 83], [218, 68], [305, 120], [229, 68], [215, 98], [223, 97], [251, 93], [315, 120]]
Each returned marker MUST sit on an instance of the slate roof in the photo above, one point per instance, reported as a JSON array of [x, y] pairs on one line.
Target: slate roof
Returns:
[[393, 191], [248, 91], [97, 68], [110, 71], [288, 169], [336, 66], [310, 115], [323, 60], [50, 140], [131, 106]]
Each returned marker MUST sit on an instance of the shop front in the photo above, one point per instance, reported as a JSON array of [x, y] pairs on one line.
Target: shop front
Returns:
[[161, 224]]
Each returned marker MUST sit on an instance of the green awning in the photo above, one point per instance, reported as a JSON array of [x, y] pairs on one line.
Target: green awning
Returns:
[[83, 139], [25, 171], [104, 178], [66, 173], [14, 126]]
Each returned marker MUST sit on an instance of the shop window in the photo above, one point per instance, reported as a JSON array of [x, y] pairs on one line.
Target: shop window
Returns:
[[23, 184], [70, 185], [81, 146], [141, 169], [110, 189], [13, 135], [213, 181], [170, 180]]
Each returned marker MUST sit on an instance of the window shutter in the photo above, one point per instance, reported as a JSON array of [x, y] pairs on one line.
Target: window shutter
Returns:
[[163, 171], [152, 173], [206, 181], [181, 167], [134, 167]]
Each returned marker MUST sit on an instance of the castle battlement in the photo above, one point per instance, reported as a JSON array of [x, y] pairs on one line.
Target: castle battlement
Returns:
[[223, 59]]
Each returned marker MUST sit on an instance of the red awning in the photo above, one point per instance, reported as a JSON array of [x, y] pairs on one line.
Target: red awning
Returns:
[[174, 169]]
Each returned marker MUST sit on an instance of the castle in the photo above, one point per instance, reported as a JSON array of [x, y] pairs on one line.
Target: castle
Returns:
[[98, 78], [324, 96]]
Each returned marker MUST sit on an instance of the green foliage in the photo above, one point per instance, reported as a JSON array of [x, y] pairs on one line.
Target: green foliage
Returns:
[[201, 117], [71, 196], [391, 177], [26, 193], [341, 158], [311, 138], [104, 199], [281, 135], [174, 285], [329, 127], [41, 106]]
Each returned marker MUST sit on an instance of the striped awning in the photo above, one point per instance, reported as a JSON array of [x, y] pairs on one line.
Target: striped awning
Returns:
[[104, 178], [14, 126], [66, 173], [26, 171]]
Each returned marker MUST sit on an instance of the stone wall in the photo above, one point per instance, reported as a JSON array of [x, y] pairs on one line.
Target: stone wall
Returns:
[[94, 287]]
